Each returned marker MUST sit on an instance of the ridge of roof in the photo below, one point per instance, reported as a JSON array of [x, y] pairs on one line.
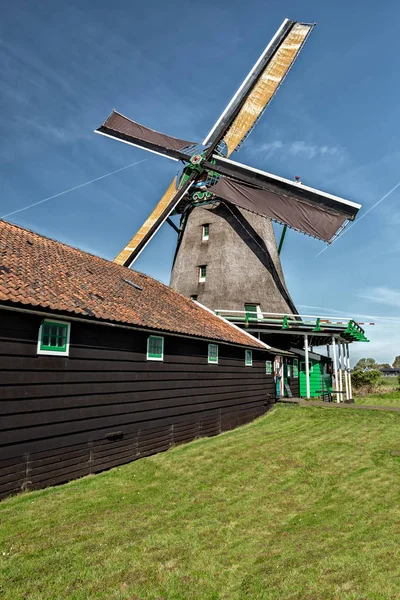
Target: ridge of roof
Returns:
[[37, 270]]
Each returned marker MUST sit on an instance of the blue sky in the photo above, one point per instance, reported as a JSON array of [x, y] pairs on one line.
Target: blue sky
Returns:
[[173, 66]]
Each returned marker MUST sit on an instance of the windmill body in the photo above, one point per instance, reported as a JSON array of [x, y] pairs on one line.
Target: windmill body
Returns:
[[237, 262], [240, 257]]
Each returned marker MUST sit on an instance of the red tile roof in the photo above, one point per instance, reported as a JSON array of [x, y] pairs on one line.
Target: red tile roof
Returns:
[[40, 272]]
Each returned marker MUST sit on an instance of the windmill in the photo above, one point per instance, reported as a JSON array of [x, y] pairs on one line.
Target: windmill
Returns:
[[227, 254]]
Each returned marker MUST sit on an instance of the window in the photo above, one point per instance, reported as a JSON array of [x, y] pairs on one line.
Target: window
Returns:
[[202, 273], [295, 367], [213, 353], [54, 338], [194, 297], [289, 370], [268, 367], [248, 358], [155, 347], [206, 233], [303, 366], [253, 311]]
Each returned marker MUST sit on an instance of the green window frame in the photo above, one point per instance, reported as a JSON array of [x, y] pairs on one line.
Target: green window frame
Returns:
[[202, 273], [155, 347], [268, 367], [206, 232], [248, 358], [295, 367], [213, 353], [54, 338]]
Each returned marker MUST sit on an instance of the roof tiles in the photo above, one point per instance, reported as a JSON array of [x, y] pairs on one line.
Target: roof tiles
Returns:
[[41, 272]]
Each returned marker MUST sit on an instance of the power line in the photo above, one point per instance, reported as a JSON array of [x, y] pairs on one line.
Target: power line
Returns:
[[77, 187], [362, 216]]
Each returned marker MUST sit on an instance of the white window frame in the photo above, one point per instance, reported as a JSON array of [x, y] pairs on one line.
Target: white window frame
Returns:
[[159, 358], [202, 278], [210, 361], [54, 352], [250, 362], [271, 368], [205, 236]]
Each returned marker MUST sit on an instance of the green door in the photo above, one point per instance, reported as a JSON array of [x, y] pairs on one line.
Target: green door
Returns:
[[315, 378]]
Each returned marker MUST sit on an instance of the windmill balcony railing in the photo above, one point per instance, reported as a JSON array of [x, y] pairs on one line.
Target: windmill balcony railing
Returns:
[[346, 327]]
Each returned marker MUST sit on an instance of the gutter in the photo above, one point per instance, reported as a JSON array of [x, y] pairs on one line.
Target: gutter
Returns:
[[68, 317]]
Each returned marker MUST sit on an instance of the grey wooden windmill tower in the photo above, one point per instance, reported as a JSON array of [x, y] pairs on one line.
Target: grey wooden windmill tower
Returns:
[[227, 254]]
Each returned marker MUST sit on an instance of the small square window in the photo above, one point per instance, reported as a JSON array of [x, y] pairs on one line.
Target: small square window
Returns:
[[202, 273], [205, 233], [253, 311], [268, 367], [155, 347], [248, 358], [54, 338], [213, 353]]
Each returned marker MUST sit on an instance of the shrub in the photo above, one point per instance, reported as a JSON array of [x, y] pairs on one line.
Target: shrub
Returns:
[[366, 382]]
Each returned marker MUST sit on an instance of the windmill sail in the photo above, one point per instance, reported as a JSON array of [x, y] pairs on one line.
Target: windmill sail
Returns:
[[119, 127], [152, 224], [260, 86], [317, 221]]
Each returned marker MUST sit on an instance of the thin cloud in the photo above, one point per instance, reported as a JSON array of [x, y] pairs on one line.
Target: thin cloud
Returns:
[[382, 295], [300, 148]]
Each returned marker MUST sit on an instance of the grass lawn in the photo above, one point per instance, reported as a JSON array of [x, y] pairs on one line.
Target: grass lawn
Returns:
[[302, 504], [388, 395]]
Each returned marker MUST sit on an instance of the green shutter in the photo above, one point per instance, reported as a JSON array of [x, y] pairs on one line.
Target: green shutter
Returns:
[[155, 347], [248, 358]]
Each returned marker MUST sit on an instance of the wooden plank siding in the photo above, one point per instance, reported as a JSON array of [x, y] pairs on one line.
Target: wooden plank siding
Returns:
[[106, 405]]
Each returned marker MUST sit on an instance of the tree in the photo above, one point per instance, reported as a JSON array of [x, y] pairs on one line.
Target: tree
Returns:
[[384, 366], [366, 363], [396, 362], [366, 382]]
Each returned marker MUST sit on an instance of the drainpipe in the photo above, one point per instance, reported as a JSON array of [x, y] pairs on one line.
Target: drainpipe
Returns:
[[335, 366], [307, 366]]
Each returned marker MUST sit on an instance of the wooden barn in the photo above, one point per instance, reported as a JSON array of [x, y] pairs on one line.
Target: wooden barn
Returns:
[[101, 365]]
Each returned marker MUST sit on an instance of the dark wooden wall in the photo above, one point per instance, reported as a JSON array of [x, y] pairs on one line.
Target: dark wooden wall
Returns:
[[105, 405]]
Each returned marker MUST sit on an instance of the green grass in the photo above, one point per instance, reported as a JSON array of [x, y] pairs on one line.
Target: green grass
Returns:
[[388, 394], [302, 504]]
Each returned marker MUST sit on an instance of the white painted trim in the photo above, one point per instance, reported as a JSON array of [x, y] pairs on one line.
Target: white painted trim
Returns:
[[212, 362], [207, 138], [293, 184], [148, 357], [162, 223], [113, 137], [54, 352], [253, 339]]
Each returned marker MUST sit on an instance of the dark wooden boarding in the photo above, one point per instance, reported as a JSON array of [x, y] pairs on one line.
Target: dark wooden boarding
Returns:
[[106, 405]]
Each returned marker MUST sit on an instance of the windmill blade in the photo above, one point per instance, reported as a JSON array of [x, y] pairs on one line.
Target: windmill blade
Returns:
[[281, 186], [125, 130], [260, 86], [152, 224], [318, 221]]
